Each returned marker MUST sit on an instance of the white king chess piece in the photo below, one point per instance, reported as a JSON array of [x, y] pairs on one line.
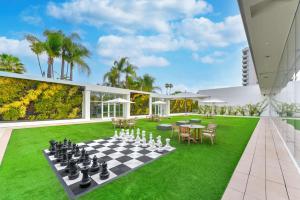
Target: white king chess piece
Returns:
[[167, 146], [159, 144]]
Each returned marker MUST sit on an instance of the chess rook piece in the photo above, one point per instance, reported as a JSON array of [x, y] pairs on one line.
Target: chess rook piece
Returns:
[[64, 160], [104, 172], [86, 160], [86, 179], [73, 171], [95, 166], [67, 169]]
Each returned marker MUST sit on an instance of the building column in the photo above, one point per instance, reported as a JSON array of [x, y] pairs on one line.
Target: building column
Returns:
[[150, 105], [108, 110], [126, 107], [168, 104], [86, 104]]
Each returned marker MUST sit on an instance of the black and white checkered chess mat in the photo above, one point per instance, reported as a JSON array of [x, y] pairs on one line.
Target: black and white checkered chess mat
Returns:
[[121, 158]]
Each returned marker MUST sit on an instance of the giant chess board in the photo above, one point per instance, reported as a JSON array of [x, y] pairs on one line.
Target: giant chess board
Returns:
[[120, 156]]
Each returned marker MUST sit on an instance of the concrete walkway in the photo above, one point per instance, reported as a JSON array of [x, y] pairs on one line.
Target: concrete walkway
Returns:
[[5, 134], [265, 170]]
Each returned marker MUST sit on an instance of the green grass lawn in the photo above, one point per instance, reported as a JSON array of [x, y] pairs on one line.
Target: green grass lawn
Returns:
[[195, 171], [295, 123]]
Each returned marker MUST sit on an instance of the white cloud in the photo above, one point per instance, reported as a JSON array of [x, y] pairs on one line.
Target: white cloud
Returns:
[[205, 33], [130, 14], [15, 47], [140, 49], [215, 57], [31, 16]]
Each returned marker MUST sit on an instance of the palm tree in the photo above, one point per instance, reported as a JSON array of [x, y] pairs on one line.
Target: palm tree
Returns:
[[75, 57], [111, 77], [37, 47], [167, 85], [52, 46], [66, 46], [120, 66], [9, 63], [130, 73], [147, 83], [170, 87]]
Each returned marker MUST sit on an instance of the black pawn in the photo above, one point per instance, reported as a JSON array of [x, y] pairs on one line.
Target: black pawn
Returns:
[[95, 166], [77, 151], [73, 171], [82, 155], [65, 142], [86, 180], [86, 160], [104, 172], [67, 169], [69, 144], [64, 160]]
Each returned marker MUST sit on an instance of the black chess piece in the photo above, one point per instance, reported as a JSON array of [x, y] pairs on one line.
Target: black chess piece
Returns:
[[73, 148], [59, 154], [52, 147], [104, 172], [82, 155], [77, 151], [86, 160], [73, 171], [69, 144], [65, 142], [95, 166], [86, 179], [64, 160], [67, 168]]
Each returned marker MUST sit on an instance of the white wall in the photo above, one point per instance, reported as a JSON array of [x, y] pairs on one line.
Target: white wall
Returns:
[[236, 96]]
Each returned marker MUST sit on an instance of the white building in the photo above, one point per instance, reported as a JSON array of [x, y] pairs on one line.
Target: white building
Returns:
[[248, 70]]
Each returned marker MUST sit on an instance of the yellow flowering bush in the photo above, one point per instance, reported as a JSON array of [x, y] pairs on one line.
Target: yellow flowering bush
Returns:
[[33, 100], [140, 105], [183, 105]]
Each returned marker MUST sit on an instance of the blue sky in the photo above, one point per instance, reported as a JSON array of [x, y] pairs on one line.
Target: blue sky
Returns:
[[194, 44]]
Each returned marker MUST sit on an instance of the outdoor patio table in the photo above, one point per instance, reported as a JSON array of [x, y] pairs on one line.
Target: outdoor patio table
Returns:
[[195, 128], [195, 121], [164, 127], [178, 123]]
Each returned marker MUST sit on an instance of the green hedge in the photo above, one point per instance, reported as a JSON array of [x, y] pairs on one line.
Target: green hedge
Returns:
[[22, 99], [140, 105]]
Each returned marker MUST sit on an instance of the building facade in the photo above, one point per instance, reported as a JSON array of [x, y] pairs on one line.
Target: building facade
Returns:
[[248, 70]]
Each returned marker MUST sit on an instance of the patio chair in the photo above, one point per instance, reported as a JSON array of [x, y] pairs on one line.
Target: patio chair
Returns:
[[131, 123], [115, 123], [185, 134], [175, 130], [210, 132]]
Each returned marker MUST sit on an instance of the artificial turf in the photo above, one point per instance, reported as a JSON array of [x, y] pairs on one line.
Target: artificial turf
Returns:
[[195, 171]]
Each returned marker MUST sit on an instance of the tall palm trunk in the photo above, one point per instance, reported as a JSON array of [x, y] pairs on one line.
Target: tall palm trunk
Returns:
[[62, 70], [71, 71], [38, 58], [49, 69]]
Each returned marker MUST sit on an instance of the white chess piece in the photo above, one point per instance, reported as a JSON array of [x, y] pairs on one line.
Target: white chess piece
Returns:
[[127, 134], [116, 135], [144, 141], [159, 144], [137, 139], [167, 146]]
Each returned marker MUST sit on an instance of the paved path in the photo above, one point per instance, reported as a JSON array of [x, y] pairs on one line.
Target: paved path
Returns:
[[5, 134], [265, 170]]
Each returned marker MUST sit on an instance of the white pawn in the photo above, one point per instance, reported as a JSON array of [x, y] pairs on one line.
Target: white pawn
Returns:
[[159, 144], [167, 146], [144, 142], [127, 134], [150, 136], [137, 139], [116, 135], [131, 138]]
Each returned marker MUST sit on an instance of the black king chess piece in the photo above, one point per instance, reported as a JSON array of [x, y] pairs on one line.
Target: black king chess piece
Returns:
[[86, 179], [104, 172], [73, 171], [95, 166]]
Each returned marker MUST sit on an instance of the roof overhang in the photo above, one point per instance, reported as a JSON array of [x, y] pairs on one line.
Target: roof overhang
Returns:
[[267, 24]]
